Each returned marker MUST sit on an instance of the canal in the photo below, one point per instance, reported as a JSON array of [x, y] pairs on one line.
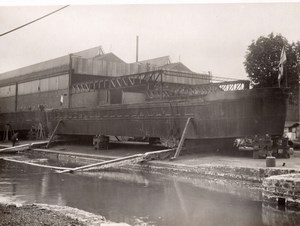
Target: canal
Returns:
[[134, 198]]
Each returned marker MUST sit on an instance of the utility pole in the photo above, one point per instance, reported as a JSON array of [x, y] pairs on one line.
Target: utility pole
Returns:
[[137, 49]]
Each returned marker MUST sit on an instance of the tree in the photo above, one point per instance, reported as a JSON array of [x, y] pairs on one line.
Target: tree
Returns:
[[262, 60]]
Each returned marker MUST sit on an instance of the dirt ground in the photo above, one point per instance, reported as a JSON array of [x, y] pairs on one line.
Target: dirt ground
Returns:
[[192, 159], [239, 160]]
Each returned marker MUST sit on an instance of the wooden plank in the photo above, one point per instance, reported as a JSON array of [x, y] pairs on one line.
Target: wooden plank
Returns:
[[15, 147], [25, 146], [35, 164], [158, 155], [148, 156], [39, 143], [83, 155], [102, 163]]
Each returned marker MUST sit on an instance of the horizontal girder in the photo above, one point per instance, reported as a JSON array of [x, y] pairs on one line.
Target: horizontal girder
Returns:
[[156, 86]]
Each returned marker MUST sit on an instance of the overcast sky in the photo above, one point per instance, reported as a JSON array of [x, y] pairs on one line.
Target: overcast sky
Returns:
[[205, 37]]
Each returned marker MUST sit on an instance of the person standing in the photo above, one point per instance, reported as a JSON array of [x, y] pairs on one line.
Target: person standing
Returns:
[[14, 139]]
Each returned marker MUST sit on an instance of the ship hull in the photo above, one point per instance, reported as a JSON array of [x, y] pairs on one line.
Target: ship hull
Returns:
[[218, 115]]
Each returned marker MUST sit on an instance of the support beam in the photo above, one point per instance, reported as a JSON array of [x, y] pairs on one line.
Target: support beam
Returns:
[[102, 163], [23, 146], [148, 156], [54, 132], [178, 150], [15, 148]]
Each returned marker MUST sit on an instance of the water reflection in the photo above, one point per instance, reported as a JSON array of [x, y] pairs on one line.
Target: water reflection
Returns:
[[274, 217], [131, 197]]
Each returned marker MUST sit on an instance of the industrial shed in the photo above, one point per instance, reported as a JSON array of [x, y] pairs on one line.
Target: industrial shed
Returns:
[[52, 84]]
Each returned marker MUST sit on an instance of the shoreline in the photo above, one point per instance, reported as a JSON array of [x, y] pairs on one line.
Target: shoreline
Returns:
[[242, 181], [247, 173], [43, 214]]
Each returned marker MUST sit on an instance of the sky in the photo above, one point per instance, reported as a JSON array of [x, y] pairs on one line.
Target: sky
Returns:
[[205, 37]]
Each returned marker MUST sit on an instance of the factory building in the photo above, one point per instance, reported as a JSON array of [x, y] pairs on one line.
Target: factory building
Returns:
[[50, 84]]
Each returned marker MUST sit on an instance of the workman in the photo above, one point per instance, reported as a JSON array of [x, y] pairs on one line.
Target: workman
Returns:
[[285, 140], [14, 138], [268, 144]]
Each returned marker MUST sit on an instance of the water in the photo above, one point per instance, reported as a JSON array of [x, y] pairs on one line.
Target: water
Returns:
[[138, 199]]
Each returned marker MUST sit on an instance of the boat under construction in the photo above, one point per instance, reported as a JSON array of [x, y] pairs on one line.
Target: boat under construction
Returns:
[[92, 93]]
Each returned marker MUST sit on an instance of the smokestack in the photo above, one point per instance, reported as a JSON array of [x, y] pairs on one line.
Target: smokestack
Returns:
[[137, 49]]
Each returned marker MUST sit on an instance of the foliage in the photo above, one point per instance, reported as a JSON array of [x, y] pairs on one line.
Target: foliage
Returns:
[[262, 60]]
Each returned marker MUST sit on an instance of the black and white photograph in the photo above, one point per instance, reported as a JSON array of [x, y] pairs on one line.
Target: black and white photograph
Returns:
[[149, 113]]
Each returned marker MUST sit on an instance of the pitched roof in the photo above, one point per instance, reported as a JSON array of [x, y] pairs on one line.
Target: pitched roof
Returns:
[[109, 57], [159, 61], [90, 53], [56, 65], [176, 66]]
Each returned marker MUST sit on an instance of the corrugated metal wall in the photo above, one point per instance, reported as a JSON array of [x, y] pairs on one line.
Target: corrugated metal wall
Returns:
[[44, 85], [8, 91], [107, 68], [113, 69]]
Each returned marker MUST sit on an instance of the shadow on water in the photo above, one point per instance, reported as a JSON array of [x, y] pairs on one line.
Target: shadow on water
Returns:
[[135, 198]]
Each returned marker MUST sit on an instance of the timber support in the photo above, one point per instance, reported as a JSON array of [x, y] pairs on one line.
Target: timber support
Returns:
[[54, 132], [148, 156], [179, 148], [102, 163]]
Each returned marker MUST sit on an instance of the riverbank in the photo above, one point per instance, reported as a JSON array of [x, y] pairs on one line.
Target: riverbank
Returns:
[[230, 166], [230, 173], [42, 214]]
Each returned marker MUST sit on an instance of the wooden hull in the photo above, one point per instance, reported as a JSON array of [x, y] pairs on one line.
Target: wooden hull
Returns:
[[228, 114], [217, 115]]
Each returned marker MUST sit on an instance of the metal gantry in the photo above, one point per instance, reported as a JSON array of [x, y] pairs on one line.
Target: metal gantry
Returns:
[[163, 84], [121, 82], [171, 91]]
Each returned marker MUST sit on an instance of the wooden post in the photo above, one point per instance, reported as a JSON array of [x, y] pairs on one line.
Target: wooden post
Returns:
[[6, 131], [70, 81], [16, 97], [54, 132], [178, 150]]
